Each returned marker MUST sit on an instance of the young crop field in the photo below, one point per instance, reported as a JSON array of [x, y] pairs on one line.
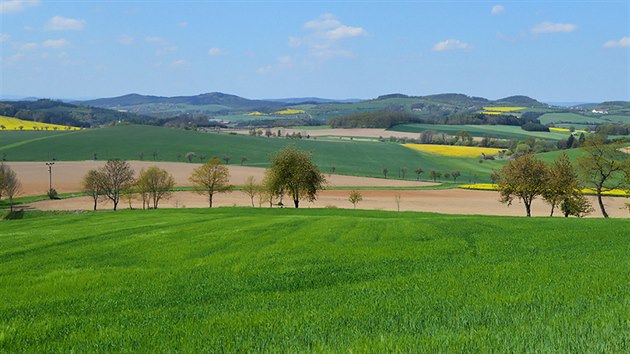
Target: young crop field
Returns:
[[9, 123], [568, 118], [127, 142], [285, 280], [452, 150]]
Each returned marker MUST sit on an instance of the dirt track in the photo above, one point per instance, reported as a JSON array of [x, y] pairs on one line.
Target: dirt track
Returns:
[[67, 178], [67, 175]]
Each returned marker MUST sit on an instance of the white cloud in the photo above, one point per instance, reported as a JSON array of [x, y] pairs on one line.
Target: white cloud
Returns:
[[126, 40], [551, 27], [28, 46], [180, 63], [327, 33], [451, 44], [13, 6], [56, 43], [59, 23], [215, 52], [156, 40], [264, 69], [165, 50], [497, 9], [183, 24], [4, 37], [624, 42], [15, 58]]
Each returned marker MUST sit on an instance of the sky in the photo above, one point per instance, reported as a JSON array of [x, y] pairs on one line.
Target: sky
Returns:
[[554, 51]]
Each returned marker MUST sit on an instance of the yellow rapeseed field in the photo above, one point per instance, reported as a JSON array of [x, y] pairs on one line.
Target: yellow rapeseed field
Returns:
[[9, 123], [565, 130], [255, 114], [290, 111], [493, 187], [503, 109], [451, 150], [490, 112]]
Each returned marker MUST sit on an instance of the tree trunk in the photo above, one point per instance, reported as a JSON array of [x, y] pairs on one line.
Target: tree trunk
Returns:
[[210, 199], [528, 208], [297, 203], [601, 202], [253, 206], [115, 204], [553, 206], [95, 201]]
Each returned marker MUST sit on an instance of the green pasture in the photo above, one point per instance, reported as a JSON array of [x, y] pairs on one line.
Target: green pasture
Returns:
[[127, 142], [306, 280]]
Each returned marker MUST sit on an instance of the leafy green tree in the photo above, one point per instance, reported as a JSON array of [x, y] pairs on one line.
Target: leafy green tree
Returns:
[[355, 197], [455, 174], [524, 178], [418, 172], [292, 171], [576, 204], [562, 182], [435, 175], [385, 172], [10, 186], [156, 183], [212, 177], [117, 176], [603, 168]]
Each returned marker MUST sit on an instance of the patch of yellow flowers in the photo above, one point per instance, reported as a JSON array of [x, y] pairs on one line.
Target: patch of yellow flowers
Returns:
[[9, 123], [452, 150], [503, 109], [494, 187], [255, 114], [290, 111], [565, 130]]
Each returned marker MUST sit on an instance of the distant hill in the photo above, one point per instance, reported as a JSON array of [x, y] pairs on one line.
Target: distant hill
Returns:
[[311, 100], [213, 98], [519, 101]]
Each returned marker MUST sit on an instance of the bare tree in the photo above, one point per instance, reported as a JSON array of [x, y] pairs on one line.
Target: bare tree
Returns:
[[455, 174], [403, 171], [92, 185], [190, 155], [117, 177], [603, 168], [157, 183], [243, 160], [385, 172], [227, 159], [355, 197], [212, 177], [10, 186], [418, 172], [250, 188]]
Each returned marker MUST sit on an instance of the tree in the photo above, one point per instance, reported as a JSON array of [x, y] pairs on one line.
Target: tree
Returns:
[[524, 178], [403, 171], [397, 200], [227, 159], [385, 172], [91, 185], [250, 188], [455, 174], [562, 183], [156, 183], [10, 186], [355, 197], [603, 167], [435, 175], [418, 172], [292, 171], [577, 205], [212, 177], [141, 156], [117, 177], [190, 155], [243, 160]]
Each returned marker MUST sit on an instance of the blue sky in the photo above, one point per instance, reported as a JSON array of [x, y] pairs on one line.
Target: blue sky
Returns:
[[549, 50]]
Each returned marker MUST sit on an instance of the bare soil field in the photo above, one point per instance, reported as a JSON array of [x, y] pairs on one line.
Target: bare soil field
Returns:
[[451, 201], [67, 176]]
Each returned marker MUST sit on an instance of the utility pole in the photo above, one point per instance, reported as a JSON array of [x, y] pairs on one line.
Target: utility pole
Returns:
[[50, 164]]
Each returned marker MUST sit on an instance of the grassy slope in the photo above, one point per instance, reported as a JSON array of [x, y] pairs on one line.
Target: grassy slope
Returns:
[[126, 142], [496, 131], [326, 280]]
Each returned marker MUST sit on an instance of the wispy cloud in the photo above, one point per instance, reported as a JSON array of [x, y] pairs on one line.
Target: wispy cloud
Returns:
[[156, 40], [327, 33], [552, 27], [28, 46], [163, 45], [14, 6], [56, 43], [183, 24], [451, 44], [264, 69], [4, 37], [126, 40], [59, 23], [215, 52], [180, 63], [624, 42], [497, 9]]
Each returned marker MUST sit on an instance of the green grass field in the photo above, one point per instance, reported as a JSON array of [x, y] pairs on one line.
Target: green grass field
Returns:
[[126, 142], [494, 131], [286, 280]]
